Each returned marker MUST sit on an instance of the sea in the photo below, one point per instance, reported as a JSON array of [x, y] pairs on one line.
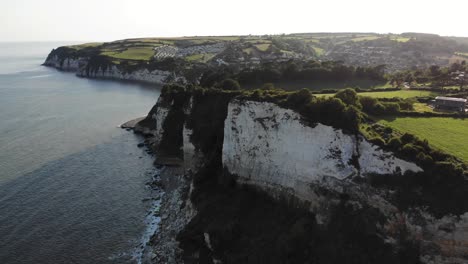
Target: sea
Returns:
[[73, 185]]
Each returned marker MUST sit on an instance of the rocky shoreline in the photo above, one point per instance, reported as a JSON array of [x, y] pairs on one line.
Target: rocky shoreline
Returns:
[[173, 210]]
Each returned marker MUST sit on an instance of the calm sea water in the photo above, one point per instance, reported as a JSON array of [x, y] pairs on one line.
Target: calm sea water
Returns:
[[72, 184]]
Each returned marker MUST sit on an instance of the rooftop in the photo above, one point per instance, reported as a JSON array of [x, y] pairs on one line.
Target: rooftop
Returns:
[[453, 99]]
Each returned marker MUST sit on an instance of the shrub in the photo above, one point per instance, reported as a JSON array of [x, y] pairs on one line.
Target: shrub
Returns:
[[268, 86], [173, 89], [394, 143], [300, 97], [407, 138], [368, 103], [425, 159], [407, 104], [230, 85], [410, 150], [391, 108], [379, 109], [352, 118], [378, 141], [388, 130], [349, 97]]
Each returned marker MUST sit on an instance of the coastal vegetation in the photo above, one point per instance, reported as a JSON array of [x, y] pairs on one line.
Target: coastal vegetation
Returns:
[[404, 94], [435, 131]]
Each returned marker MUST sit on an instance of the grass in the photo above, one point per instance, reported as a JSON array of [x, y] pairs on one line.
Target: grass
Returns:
[[400, 39], [318, 51], [132, 53], [263, 47], [86, 45], [422, 107], [447, 134], [335, 85], [312, 40], [199, 57], [366, 38], [248, 50], [402, 94]]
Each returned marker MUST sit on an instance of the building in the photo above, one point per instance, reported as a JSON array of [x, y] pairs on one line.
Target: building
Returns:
[[450, 103]]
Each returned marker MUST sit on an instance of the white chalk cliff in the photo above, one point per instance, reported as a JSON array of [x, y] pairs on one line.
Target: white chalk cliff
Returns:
[[269, 146], [79, 66], [68, 64]]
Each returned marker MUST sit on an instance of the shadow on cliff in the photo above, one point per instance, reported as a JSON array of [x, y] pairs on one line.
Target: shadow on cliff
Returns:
[[241, 224]]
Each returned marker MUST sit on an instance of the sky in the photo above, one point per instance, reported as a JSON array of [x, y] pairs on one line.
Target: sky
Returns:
[[107, 20]]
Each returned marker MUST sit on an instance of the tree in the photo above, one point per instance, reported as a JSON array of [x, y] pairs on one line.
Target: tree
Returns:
[[229, 84], [349, 97], [300, 97], [434, 70], [268, 86]]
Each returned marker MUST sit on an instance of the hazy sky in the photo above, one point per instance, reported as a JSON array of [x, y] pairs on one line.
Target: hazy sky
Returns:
[[104, 20]]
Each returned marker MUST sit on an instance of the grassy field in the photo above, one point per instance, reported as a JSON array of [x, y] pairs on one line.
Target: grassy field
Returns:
[[132, 53], [447, 134], [86, 45], [422, 107], [400, 39], [319, 51], [402, 94], [335, 85], [263, 47], [366, 38]]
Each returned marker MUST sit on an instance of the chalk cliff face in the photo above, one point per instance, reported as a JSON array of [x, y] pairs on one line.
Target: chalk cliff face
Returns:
[[270, 146], [67, 64], [82, 68], [266, 145], [141, 75]]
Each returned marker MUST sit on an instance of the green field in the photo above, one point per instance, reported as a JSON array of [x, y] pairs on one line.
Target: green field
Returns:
[[263, 47], [365, 38], [447, 134], [400, 39], [86, 45], [402, 94], [132, 53], [422, 107], [318, 51], [333, 85]]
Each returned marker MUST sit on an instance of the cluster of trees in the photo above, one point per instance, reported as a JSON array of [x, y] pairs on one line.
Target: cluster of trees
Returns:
[[308, 71], [292, 71], [434, 76]]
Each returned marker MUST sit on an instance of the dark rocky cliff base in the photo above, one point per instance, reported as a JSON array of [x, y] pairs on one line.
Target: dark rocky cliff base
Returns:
[[245, 225]]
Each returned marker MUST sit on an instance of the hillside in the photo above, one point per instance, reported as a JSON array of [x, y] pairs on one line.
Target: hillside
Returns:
[[189, 55]]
